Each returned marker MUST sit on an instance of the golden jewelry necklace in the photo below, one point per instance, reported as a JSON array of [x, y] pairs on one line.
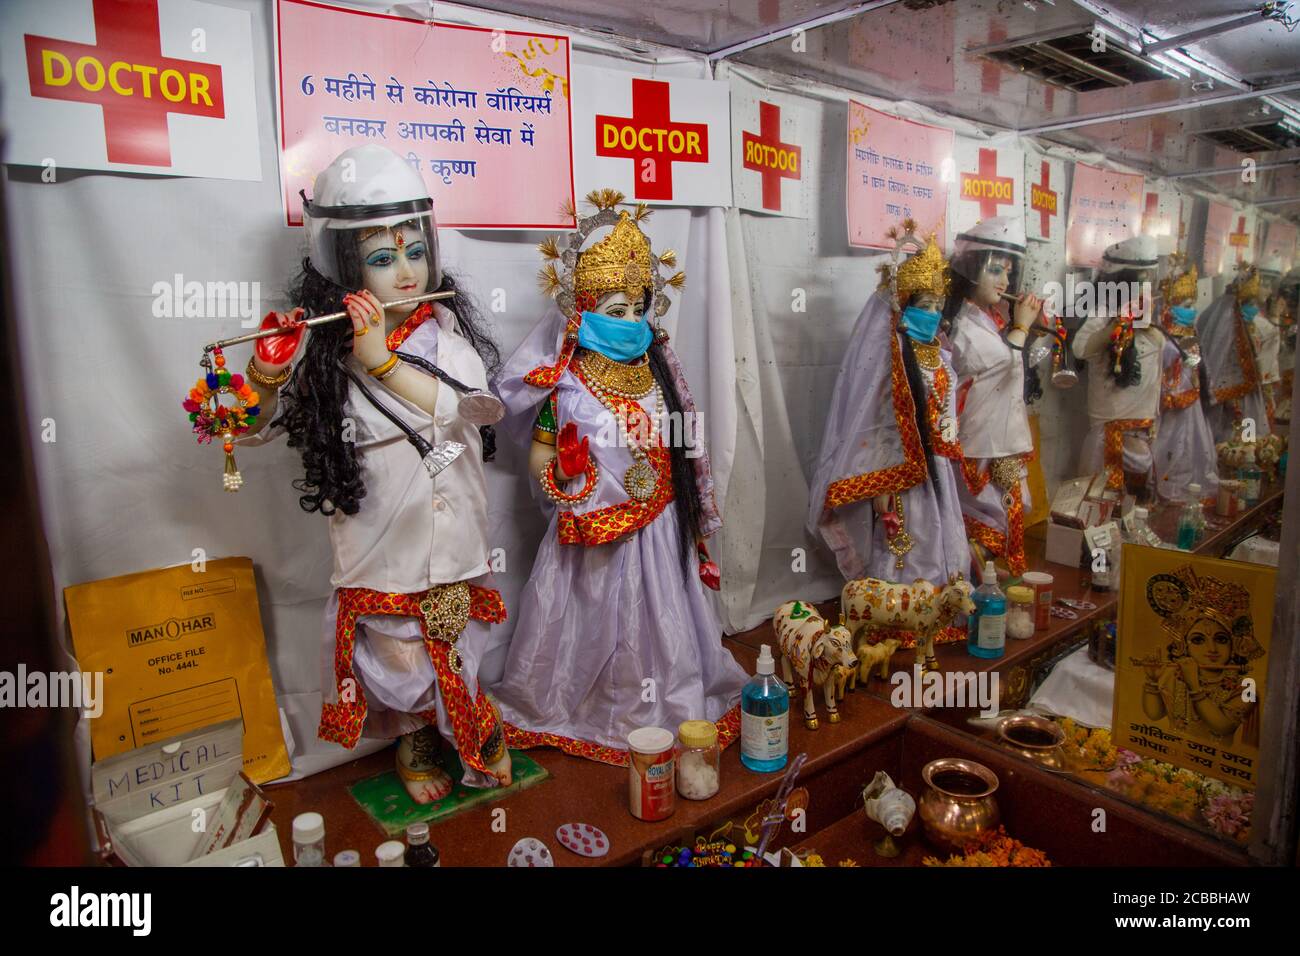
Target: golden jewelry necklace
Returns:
[[642, 478], [927, 356], [617, 378]]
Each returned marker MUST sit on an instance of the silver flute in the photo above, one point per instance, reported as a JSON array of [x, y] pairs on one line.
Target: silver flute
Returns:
[[319, 320]]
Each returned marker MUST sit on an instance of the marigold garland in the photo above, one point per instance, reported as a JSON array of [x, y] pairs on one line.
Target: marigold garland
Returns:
[[994, 848]]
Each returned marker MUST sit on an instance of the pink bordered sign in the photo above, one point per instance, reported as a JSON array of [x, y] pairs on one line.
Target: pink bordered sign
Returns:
[[897, 169], [1105, 208], [484, 115]]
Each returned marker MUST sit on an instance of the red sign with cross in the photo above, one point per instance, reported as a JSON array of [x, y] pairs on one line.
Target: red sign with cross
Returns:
[[126, 74], [986, 187], [1043, 200], [652, 140], [1240, 239], [769, 157]]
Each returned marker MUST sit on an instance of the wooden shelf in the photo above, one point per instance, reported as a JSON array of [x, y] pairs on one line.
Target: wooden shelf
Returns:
[[872, 735]]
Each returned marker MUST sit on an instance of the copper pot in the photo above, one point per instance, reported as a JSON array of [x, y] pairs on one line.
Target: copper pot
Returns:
[[1038, 738], [958, 803]]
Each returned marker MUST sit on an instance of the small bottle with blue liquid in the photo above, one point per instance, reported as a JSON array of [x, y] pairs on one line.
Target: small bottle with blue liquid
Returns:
[[764, 718], [986, 628]]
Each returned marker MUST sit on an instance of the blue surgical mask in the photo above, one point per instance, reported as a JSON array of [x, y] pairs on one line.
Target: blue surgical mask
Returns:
[[920, 324], [619, 339], [1183, 314], [1248, 312]]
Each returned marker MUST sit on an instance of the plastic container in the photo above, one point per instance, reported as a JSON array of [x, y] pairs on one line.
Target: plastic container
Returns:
[[419, 851], [391, 853], [1020, 612], [986, 630], [1191, 522], [309, 840], [1041, 582], [1226, 505], [1250, 476], [764, 718], [347, 858], [650, 780], [699, 760]]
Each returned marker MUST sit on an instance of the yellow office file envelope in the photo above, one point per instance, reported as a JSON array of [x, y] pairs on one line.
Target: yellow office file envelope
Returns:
[[179, 650]]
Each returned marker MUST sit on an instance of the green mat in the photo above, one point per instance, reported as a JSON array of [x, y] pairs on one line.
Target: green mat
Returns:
[[385, 799]]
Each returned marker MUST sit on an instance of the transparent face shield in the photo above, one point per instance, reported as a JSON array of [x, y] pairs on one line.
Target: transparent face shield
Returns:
[[334, 234]]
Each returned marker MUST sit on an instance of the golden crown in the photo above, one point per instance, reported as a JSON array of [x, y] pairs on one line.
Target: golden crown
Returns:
[[1223, 602], [621, 262], [1247, 282], [923, 271], [1180, 284]]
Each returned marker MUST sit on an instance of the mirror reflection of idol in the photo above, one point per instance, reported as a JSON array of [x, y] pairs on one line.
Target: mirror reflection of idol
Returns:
[[1199, 682]]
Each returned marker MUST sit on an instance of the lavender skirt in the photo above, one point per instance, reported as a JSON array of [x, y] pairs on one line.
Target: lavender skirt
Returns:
[[613, 637]]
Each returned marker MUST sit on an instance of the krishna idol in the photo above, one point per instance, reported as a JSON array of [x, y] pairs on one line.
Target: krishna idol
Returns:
[[884, 493], [412, 601], [988, 355], [615, 630]]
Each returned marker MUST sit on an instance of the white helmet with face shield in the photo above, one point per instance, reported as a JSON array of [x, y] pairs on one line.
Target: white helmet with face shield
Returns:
[[365, 188], [997, 234]]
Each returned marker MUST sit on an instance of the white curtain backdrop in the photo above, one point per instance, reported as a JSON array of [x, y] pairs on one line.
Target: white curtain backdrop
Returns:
[[124, 487]]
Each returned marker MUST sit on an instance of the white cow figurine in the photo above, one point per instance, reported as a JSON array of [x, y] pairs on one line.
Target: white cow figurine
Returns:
[[822, 655], [870, 605], [872, 657]]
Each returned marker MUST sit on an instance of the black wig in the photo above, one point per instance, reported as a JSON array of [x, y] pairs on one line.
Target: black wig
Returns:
[[920, 405], [312, 401], [686, 493]]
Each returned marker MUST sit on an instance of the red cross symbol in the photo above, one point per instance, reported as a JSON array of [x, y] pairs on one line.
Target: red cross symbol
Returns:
[[769, 157], [1240, 238], [1043, 199], [986, 187], [126, 74], [1150, 212], [650, 134]]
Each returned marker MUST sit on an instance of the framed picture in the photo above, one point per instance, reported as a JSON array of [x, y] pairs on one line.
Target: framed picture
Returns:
[[1191, 660]]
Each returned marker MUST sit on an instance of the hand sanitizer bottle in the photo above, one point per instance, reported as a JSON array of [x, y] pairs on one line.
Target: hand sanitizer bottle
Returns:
[[986, 629], [764, 718]]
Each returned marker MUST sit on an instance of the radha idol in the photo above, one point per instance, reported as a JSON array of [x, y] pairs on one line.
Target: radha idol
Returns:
[[1184, 447], [884, 492], [615, 629], [1234, 392]]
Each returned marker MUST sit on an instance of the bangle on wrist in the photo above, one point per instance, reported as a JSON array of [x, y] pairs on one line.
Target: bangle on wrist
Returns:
[[552, 491], [267, 381], [385, 368]]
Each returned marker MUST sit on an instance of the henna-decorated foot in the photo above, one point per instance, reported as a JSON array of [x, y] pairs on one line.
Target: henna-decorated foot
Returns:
[[417, 766]]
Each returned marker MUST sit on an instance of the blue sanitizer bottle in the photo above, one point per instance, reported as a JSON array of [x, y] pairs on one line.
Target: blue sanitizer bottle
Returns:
[[986, 629], [764, 718]]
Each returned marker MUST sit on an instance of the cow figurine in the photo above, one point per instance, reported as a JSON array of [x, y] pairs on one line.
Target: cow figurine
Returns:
[[822, 655], [870, 606], [872, 656]]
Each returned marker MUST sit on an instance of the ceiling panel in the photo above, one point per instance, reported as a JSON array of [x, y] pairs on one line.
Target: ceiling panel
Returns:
[[699, 25]]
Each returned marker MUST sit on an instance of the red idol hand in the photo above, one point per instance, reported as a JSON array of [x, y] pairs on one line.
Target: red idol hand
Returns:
[[573, 454], [276, 351]]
